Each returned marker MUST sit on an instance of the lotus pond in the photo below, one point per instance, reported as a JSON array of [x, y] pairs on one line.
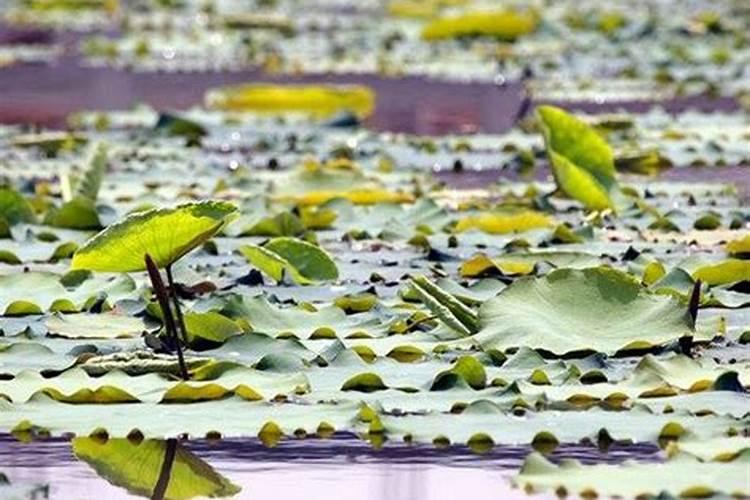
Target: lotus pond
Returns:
[[287, 289]]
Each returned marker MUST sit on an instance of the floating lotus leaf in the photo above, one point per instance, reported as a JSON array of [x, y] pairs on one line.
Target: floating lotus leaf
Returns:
[[503, 223], [165, 234], [523, 263], [503, 25], [328, 322], [169, 420], [320, 101], [740, 246], [95, 326], [723, 272], [77, 386], [681, 476], [595, 309]]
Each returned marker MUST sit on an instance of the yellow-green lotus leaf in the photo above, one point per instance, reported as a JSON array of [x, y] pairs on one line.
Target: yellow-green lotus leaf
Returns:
[[136, 466], [504, 25], [165, 234], [318, 100], [582, 161], [502, 223]]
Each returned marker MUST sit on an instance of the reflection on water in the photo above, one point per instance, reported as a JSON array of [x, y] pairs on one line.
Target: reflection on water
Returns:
[[152, 468], [95, 468]]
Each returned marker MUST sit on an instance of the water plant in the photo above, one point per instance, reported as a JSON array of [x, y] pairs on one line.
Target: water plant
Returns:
[[153, 240]]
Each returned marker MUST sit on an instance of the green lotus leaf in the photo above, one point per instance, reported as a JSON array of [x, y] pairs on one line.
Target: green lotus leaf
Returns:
[[304, 262], [720, 449], [179, 126], [282, 224], [165, 234], [136, 465], [595, 309], [209, 329], [88, 185], [523, 263], [502, 426], [327, 322], [503, 223], [14, 209], [95, 326], [239, 418], [78, 213], [723, 272], [364, 382], [582, 161], [682, 476], [504, 25], [468, 369], [739, 247], [115, 386], [30, 293], [445, 306]]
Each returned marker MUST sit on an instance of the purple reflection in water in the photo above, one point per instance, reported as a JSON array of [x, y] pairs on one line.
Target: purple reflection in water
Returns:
[[316, 469]]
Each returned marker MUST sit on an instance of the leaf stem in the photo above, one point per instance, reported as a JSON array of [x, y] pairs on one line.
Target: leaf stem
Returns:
[[163, 298], [176, 302], [170, 452]]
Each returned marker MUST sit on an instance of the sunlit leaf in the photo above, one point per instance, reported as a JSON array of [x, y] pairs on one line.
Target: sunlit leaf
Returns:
[[320, 101], [165, 234], [582, 161]]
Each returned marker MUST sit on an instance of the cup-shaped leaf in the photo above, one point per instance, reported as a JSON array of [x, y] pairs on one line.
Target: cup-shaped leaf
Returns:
[[581, 160], [165, 234]]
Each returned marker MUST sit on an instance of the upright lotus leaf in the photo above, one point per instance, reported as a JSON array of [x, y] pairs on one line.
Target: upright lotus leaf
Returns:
[[681, 476], [568, 311], [320, 101], [88, 185], [79, 208], [14, 209], [165, 234], [505, 25], [303, 261], [140, 466], [581, 160]]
